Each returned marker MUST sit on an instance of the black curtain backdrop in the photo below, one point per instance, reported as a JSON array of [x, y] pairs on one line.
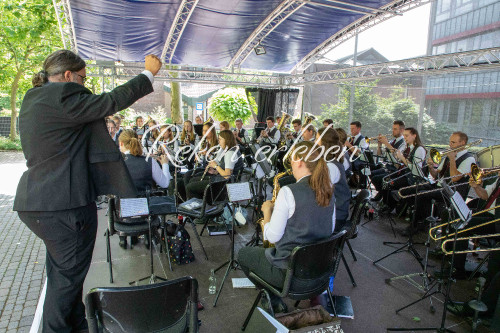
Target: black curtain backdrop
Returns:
[[268, 99]]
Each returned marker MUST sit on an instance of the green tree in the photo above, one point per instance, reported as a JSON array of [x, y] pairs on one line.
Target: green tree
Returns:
[[29, 33], [229, 104]]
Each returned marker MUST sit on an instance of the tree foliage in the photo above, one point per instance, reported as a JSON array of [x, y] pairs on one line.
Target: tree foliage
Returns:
[[29, 33], [229, 104], [377, 113]]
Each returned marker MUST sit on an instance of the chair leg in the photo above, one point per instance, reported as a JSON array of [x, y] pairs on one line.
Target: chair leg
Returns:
[[348, 271], [297, 303], [350, 249], [108, 255], [261, 293], [332, 301], [198, 237]]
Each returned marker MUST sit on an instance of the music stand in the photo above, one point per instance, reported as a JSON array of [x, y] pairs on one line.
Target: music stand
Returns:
[[237, 192], [141, 208], [198, 129], [409, 244], [465, 214]]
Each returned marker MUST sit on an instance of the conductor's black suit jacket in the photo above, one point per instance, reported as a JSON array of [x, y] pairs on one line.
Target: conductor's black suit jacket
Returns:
[[71, 158]]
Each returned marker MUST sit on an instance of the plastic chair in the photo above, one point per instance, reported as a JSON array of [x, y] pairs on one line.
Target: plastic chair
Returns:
[[134, 226], [305, 278], [162, 307]]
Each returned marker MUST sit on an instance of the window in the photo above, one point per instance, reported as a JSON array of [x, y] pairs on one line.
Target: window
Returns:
[[476, 112], [453, 112]]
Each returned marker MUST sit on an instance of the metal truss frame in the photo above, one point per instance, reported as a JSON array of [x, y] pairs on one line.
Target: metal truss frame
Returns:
[[274, 19], [66, 24], [178, 25], [429, 65], [485, 59], [392, 9]]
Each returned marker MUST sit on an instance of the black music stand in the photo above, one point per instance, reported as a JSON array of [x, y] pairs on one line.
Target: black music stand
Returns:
[[152, 277], [465, 215], [409, 245], [237, 192]]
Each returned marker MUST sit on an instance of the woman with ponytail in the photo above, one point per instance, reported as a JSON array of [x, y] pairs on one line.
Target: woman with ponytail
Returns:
[[288, 221], [144, 172]]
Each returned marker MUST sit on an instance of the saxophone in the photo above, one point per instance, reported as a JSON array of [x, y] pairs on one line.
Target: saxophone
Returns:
[[276, 189]]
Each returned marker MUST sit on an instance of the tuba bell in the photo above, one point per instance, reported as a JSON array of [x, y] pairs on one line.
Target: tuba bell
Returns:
[[308, 118]]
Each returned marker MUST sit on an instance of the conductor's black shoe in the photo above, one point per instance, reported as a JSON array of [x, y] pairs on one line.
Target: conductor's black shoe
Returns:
[[460, 309], [377, 197]]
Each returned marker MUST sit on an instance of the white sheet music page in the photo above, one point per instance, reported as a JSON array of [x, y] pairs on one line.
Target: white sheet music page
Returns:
[[462, 209], [134, 207], [239, 191]]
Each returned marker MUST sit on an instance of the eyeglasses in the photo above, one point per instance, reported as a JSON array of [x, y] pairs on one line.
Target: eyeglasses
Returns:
[[84, 78]]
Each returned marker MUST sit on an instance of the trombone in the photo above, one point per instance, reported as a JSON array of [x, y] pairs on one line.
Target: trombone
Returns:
[[437, 156], [446, 252], [477, 174], [436, 238]]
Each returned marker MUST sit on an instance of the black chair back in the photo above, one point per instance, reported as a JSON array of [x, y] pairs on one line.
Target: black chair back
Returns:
[[216, 192], [163, 307], [360, 201]]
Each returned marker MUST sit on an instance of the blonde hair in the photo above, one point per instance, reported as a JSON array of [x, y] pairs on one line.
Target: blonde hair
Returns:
[[131, 142], [316, 164], [190, 135]]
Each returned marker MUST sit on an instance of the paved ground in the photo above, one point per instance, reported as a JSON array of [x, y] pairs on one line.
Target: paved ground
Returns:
[[22, 254]]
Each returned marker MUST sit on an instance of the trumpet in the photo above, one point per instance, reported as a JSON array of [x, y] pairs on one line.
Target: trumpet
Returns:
[[375, 138], [433, 235], [437, 156], [477, 174]]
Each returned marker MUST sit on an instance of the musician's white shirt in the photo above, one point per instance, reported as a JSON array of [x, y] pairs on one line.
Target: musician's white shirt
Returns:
[[362, 144], [419, 156], [161, 175], [401, 147], [284, 207], [489, 189], [271, 139], [464, 167], [229, 162]]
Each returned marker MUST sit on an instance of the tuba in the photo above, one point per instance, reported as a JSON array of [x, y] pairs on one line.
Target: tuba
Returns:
[[308, 118], [285, 117]]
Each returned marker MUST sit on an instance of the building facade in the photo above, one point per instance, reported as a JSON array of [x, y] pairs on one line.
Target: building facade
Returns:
[[469, 102]]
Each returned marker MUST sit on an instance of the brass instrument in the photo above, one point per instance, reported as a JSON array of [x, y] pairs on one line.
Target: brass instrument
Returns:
[[375, 138], [209, 120], [285, 117], [308, 118], [436, 155], [477, 174], [276, 189], [434, 237], [446, 252]]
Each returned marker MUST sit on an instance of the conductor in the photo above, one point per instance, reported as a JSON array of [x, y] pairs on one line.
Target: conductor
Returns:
[[59, 122]]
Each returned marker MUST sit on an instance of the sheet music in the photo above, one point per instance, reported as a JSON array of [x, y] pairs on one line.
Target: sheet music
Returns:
[[462, 209], [242, 283], [239, 191], [134, 207]]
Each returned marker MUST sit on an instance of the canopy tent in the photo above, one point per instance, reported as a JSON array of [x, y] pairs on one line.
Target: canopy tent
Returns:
[[218, 33]]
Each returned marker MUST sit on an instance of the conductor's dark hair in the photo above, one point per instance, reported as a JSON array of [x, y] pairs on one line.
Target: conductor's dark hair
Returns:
[[58, 63]]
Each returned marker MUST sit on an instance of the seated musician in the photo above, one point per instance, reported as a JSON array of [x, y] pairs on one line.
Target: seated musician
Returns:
[[297, 127], [224, 125], [270, 135], [357, 140], [139, 127], [188, 138], [144, 172], [111, 126], [330, 138], [488, 196], [456, 165], [288, 221], [398, 128], [240, 134], [150, 134], [343, 138], [198, 120], [222, 166], [327, 122], [167, 144], [414, 154], [309, 133]]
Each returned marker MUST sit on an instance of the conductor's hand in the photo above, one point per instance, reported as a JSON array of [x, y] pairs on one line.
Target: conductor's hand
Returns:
[[152, 63]]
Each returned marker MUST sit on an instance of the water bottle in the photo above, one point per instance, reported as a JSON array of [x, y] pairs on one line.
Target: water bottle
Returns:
[[330, 283], [212, 287]]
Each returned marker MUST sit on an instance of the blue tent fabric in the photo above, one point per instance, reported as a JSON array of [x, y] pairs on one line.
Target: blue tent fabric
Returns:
[[127, 30]]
